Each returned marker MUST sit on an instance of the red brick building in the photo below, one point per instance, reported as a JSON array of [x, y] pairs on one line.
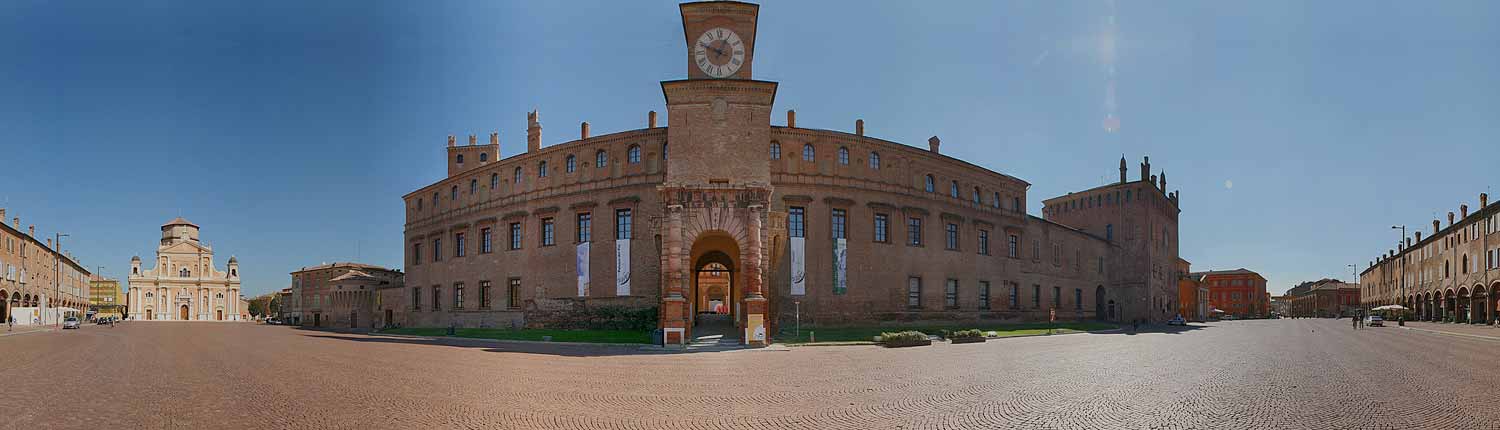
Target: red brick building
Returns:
[[1323, 298], [1239, 292]]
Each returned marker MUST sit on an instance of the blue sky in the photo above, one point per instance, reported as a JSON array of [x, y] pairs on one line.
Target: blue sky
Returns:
[[290, 129]]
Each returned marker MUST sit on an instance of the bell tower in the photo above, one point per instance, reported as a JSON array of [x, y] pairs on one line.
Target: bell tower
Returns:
[[717, 188]]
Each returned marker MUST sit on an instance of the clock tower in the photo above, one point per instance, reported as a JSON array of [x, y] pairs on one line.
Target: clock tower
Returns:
[[717, 189]]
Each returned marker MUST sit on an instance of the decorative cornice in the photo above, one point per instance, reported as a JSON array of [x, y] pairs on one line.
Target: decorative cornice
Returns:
[[514, 215], [796, 198], [487, 220], [881, 205], [838, 201], [459, 226], [583, 205], [914, 210], [546, 210], [951, 216], [625, 201], [983, 223]]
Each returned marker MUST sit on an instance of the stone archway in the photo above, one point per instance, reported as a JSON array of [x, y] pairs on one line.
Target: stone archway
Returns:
[[715, 258], [727, 220]]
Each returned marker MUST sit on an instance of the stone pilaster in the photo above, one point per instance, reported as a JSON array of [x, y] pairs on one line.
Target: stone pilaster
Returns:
[[756, 327], [674, 311]]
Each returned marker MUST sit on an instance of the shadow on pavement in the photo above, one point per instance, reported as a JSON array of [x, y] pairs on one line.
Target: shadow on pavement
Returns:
[[491, 345], [1167, 329]]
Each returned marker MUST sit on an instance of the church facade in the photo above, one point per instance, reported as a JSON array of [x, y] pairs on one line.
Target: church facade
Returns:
[[184, 285], [756, 225]]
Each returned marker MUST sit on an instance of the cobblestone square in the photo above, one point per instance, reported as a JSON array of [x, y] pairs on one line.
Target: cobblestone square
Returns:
[[1305, 373]]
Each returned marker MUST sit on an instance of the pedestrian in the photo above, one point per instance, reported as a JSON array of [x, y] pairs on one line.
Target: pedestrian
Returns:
[[10, 323], [1354, 323]]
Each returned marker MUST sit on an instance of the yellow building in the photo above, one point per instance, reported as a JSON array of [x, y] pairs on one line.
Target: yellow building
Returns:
[[105, 298]]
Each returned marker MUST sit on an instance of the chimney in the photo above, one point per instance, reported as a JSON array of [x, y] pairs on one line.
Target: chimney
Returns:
[[1408, 241], [1419, 236], [791, 118], [1464, 209], [473, 139], [1146, 169], [859, 127], [1153, 180], [31, 230], [49, 243], [450, 141], [583, 130], [2, 215], [1435, 227], [1450, 219], [1484, 202], [933, 143], [495, 138], [533, 132], [651, 119], [15, 223], [1122, 169]]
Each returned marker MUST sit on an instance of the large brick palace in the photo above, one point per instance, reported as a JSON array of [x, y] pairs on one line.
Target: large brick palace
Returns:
[[760, 224]]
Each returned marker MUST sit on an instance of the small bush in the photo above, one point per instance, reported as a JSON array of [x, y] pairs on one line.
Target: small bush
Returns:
[[966, 334], [903, 337]]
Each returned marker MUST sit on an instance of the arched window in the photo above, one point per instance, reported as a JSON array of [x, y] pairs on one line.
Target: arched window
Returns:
[[518, 176], [633, 155], [453, 193], [460, 159], [184, 272], [996, 203], [571, 164], [929, 185], [484, 156], [775, 151], [541, 169], [874, 160], [434, 198], [807, 152], [473, 186], [601, 158], [219, 296], [664, 150], [843, 155], [494, 181], [953, 189], [234, 272], [977, 199], [149, 295]]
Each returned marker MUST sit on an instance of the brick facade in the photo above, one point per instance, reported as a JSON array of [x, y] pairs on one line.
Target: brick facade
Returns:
[[1450, 274], [30, 276], [342, 295]]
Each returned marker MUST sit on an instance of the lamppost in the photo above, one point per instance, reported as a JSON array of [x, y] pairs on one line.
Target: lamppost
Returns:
[[1402, 262], [56, 274], [1354, 269]]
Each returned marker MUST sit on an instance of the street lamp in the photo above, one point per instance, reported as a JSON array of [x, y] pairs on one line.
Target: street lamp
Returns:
[[1403, 264], [56, 273]]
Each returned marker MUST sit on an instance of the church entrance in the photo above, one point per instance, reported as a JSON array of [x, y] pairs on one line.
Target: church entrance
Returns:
[[219, 315], [183, 313], [148, 315]]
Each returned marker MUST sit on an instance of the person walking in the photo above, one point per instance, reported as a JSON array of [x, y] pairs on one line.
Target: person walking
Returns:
[[1354, 323], [10, 324]]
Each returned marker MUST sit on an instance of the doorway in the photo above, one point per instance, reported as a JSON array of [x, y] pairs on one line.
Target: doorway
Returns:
[[219, 315], [183, 313], [149, 317], [317, 320], [388, 315], [353, 319], [714, 288]]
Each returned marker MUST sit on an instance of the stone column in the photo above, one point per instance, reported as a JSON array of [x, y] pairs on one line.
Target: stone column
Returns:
[[756, 327], [674, 304]]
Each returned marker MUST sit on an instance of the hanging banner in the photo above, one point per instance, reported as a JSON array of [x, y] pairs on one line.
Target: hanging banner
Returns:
[[840, 264], [581, 267], [799, 266], [622, 267]]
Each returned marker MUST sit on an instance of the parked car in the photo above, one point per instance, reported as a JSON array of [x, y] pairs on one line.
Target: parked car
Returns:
[[1375, 321], [1177, 320], [71, 322], [1228, 317]]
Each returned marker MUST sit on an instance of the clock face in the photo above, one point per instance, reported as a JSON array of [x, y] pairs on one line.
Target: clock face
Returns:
[[719, 52]]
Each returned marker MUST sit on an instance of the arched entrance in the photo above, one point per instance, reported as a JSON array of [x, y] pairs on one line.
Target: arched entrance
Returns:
[[149, 315], [4, 306], [1111, 310], [182, 313], [1461, 306], [714, 292], [218, 314]]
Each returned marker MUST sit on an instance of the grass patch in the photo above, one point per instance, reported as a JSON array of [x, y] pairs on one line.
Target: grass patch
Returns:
[[855, 334], [590, 336]]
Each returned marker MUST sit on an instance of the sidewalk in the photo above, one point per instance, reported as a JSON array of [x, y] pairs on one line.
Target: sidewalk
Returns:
[[23, 329], [1465, 330]]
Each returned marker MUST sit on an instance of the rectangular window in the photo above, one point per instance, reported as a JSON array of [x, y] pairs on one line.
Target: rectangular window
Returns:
[[437, 298], [1015, 295], [882, 228], [794, 222], [1015, 204], [950, 232], [984, 242], [1056, 297], [484, 294], [622, 224], [515, 235], [950, 294], [458, 244], [437, 250], [458, 296], [486, 241], [914, 231], [1078, 299], [1013, 246], [416, 298], [838, 224], [914, 292], [1036, 296], [513, 293], [585, 227], [547, 239], [984, 295], [416, 254]]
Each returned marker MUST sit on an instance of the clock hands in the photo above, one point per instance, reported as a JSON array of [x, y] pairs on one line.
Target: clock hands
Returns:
[[720, 52]]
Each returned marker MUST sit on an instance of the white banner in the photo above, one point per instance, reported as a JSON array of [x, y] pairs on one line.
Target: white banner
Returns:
[[581, 266], [622, 267], [840, 265], [799, 266]]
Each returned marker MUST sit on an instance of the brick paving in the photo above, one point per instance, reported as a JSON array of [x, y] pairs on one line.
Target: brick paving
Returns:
[[1458, 329], [1306, 373]]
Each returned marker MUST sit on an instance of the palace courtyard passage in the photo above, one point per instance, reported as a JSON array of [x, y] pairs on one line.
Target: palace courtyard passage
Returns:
[[1312, 374]]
